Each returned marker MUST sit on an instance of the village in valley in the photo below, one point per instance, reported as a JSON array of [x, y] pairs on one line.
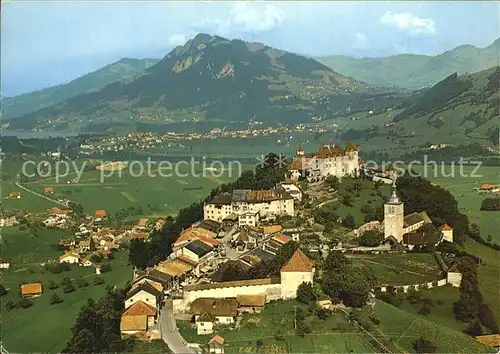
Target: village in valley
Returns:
[[259, 252]]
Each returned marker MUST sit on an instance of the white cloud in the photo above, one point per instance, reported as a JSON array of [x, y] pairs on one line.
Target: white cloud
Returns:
[[408, 22], [177, 39], [256, 18], [361, 41], [244, 17]]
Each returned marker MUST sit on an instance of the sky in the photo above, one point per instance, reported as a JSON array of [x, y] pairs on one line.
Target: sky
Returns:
[[47, 43]]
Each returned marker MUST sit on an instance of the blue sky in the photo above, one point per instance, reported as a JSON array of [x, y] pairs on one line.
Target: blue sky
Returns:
[[46, 43]]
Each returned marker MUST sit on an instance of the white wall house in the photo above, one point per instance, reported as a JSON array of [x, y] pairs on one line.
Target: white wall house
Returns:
[[266, 202], [69, 257], [144, 292]]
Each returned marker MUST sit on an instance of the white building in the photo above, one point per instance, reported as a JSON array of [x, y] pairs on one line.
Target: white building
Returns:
[[292, 188], [69, 257], [266, 202], [144, 292], [329, 160], [249, 218]]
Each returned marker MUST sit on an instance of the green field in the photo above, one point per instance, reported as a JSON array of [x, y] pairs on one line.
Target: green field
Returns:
[[22, 331], [469, 200], [401, 269], [333, 335], [124, 189], [404, 328]]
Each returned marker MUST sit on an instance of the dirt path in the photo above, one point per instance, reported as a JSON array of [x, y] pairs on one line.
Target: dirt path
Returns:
[[38, 194]]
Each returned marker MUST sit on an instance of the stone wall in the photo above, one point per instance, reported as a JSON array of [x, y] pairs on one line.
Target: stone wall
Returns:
[[406, 288]]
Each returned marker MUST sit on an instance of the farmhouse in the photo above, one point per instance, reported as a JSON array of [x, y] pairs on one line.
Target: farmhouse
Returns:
[[4, 264], [69, 257], [48, 190], [216, 345], [15, 195], [31, 290], [60, 213], [329, 160], [251, 303], [144, 292], [222, 311], [267, 203], [140, 308], [100, 214]]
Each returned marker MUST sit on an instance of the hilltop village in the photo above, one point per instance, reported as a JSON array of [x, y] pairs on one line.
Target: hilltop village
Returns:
[[253, 247]]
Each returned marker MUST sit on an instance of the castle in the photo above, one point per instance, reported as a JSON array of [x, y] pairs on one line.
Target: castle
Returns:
[[329, 160]]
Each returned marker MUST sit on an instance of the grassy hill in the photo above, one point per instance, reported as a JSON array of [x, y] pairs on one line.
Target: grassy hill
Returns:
[[459, 110], [214, 79], [122, 70], [415, 71]]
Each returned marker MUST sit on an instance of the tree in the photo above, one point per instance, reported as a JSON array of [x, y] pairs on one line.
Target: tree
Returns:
[[302, 328], [350, 284], [467, 306], [332, 182], [371, 238], [306, 293], [348, 221], [52, 285], [24, 303], [55, 299], [98, 281], [3, 291], [474, 329], [424, 346], [9, 305], [81, 282], [335, 261], [424, 310], [106, 267], [487, 318], [259, 344], [139, 253]]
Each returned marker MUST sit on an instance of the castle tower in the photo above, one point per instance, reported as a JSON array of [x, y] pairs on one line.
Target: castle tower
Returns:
[[298, 270], [394, 216], [300, 151]]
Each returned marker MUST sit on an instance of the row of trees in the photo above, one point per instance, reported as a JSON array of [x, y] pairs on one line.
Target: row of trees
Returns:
[[490, 204], [470, 306]]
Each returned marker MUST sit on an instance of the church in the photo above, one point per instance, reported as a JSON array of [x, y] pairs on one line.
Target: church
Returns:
[[412, 230]]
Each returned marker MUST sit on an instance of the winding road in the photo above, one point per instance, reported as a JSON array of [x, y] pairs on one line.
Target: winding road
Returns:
[[169, 332]]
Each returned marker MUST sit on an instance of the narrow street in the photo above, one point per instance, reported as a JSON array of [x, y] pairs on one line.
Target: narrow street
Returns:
[[169, 332]]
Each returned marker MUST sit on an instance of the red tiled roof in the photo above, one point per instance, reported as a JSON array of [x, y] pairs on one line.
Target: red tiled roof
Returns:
[[298, 263], [446, 227], [187, 260], [100, 213], [140, 308], [186, 236], [282, 238], [217, 339]]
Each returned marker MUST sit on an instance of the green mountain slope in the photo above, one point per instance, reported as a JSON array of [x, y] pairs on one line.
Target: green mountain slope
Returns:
[[459, 110], [122, 70], [212, 79], [415, 71]]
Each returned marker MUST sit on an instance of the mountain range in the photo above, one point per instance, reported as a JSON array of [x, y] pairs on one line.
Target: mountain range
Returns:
[[214, 79], [415, 71]]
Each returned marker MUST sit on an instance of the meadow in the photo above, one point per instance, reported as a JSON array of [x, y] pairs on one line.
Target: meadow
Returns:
[[331, 335], [401, 269], [404, 328], [469, 199]]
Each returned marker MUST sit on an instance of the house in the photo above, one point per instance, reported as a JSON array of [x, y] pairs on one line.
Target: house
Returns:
[[144, 292], [86, 263], [216, 345], [489, 188], [4, 264], [135, 326], [268, 230], [142, 223], [249, 218], [222, 311], [100, 214], [268, 203], [197, 250], [204, 324], [282, 239], [210, 225], [69, 257], [447, 232], [15, 195], [60, 213], [292, 188], [246, 239], [84, 246], [48, 190], [31, 290], [66, 242], [140, 308], [425, 236], [251, 303]]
